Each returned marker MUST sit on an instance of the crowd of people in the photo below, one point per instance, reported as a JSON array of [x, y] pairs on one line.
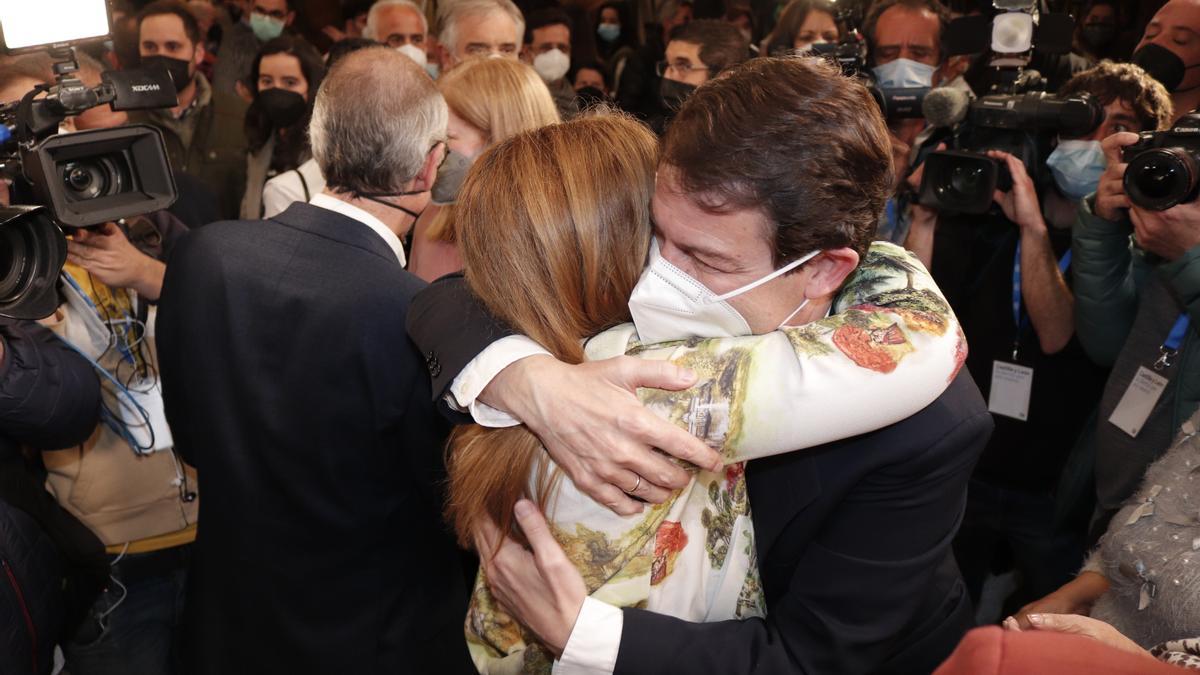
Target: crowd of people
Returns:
[[609, 337]]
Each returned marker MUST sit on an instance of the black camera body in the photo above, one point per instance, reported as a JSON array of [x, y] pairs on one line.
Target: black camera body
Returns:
[[1164, 166], [964, 180], [79, 179]]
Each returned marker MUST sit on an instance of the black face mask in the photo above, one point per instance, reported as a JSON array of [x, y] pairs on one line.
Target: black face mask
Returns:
[[378, 198], [1163, 65], [282, 108], [1099, 35], [178, 68], [672, 94]]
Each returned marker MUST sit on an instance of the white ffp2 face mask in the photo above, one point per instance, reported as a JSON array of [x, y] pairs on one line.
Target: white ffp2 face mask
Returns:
[[552, 66], [667, 304], [415, 53]]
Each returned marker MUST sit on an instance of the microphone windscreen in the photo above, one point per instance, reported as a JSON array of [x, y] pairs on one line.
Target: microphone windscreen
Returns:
[[945, 106]]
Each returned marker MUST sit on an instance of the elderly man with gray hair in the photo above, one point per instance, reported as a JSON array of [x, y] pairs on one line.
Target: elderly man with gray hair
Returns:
[[291, 385], [401, 25], [474, 28]]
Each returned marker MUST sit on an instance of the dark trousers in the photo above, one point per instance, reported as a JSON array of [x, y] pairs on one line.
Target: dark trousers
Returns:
[[1044, 557], [134, 626]]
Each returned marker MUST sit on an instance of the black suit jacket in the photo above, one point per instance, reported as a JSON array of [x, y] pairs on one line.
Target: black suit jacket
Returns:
[[290, 385], [853, 537]]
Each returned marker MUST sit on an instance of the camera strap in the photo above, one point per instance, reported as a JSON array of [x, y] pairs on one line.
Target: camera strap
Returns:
[[1020, 319]]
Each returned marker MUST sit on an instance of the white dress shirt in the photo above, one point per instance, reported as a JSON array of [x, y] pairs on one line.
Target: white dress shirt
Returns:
[[350, 211]]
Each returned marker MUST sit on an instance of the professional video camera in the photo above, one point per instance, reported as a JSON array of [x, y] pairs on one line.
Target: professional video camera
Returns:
[[80, 179], [1016, 116], [1164, 166], [964, 179]]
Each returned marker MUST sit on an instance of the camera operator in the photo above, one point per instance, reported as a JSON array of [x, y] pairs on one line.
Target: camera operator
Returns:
[[1023, 352], [54, 566], [129, 490], [905, 42], [19, 74], [1170, 52], [1135, 305], [204, 134]]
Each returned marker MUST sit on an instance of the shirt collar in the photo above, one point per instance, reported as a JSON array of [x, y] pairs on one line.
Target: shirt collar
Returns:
[[351, 211]]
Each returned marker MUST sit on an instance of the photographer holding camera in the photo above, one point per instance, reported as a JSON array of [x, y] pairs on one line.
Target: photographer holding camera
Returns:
[[905, 38], [122, 480], [1006, 275]]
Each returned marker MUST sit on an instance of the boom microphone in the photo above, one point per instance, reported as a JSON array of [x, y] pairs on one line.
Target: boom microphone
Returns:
[[945, 106]]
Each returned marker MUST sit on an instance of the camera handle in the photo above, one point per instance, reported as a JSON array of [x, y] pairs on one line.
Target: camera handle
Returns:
[[38, 118]]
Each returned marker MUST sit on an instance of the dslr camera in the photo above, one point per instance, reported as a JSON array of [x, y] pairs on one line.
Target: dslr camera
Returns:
[[1164, 166], [78, 179]]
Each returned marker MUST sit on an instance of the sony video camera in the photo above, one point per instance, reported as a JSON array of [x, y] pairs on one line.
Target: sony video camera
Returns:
[[1017, 116], [78, 179], [1164, 166], [964, 179]]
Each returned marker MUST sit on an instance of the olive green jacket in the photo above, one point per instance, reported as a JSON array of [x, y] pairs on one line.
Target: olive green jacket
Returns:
[[208, 142]]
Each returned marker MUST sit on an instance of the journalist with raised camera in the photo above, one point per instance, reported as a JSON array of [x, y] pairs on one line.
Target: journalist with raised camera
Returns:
[[1136, 307], [123, 482], [1040, 383]]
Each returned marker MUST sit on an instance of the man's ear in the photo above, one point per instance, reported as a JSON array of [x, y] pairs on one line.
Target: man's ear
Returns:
[[198, 56], [287, 20], [829, 272], [428, 174]]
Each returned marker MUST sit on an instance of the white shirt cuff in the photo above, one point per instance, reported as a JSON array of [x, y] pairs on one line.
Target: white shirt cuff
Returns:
[[479, 373], [595, 641]]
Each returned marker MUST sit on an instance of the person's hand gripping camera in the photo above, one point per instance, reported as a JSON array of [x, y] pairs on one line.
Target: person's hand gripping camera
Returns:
[[1170, 233]]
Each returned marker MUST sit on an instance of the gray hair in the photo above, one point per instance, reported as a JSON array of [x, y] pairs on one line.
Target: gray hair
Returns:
[[451, 12], [376, 116], [373, 17]]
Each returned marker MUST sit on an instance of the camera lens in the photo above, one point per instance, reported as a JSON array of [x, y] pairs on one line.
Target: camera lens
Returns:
[[966, 179], [93, 178], [1161, 178], [15, 248]]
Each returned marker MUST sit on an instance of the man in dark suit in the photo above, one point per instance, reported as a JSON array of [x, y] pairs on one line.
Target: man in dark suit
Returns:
[[292, 388], [853, 538]]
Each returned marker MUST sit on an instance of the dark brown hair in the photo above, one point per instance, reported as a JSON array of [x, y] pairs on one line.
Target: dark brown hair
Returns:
[[722, 45], [176, 8], [1108, 81], [882, 6], [791, 20], [793, 137]]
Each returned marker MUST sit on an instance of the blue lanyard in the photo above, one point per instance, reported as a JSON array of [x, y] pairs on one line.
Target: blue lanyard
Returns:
[[1019, 320], [1170, 347]]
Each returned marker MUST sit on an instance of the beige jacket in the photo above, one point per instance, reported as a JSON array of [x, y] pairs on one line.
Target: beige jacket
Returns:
[[120, 496]]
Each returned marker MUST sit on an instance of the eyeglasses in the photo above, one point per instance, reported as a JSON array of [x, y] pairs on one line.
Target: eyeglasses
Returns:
[[680, 67]]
